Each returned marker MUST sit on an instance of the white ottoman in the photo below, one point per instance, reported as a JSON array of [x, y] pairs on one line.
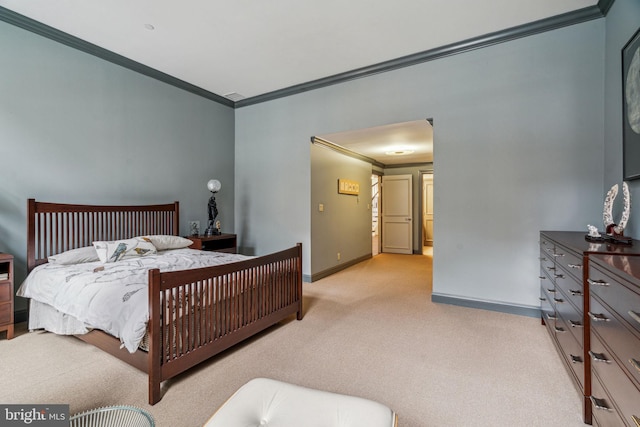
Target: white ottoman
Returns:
[[265, 402]]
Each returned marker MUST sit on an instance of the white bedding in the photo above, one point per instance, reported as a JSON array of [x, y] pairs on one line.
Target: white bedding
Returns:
[[112, 297]]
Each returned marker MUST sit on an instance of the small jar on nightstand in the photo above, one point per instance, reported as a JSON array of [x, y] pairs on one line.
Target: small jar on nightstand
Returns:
[[6, 294]]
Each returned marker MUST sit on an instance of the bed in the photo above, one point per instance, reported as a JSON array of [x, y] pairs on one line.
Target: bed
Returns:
[[193, 314]]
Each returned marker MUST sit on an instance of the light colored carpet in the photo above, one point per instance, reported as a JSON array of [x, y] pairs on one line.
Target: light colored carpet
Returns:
[[370, 331]]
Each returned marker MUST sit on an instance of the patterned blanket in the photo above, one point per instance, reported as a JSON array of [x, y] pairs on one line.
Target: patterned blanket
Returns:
[[112, 297]]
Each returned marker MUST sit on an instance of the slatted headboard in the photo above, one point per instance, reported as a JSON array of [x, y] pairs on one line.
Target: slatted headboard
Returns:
[[53, 228]]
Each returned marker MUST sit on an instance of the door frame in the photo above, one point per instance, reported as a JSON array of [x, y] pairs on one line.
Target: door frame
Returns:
[[421, 201]]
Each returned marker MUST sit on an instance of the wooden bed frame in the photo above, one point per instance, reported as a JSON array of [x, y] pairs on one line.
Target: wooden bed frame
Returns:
[[193, 314]]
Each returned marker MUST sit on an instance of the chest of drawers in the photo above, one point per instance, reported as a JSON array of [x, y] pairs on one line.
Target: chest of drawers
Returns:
[[615, 340], [565, 287], [6, 294]]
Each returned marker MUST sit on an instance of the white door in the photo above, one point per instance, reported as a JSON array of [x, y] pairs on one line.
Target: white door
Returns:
[[397, 214]]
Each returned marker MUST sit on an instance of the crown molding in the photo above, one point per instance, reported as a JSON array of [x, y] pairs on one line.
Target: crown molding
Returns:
[[571, 18], [51, 33], [604, 6], [543, 25], [345, 151]]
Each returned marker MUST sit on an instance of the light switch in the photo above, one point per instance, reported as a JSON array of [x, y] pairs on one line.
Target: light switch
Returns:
[[321, 207]]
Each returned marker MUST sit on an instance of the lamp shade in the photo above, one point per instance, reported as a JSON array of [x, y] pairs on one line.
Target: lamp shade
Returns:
[[214, 185]]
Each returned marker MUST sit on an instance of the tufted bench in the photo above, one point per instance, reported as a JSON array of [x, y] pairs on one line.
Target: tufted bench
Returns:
[[265, 402]]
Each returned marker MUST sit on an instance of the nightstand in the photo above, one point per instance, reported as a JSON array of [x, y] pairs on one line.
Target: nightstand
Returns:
[[6, 294], [220, 243]]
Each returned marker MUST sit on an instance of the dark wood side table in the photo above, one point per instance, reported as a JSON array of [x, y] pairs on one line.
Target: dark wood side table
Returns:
[[220, 243], [6, 294]]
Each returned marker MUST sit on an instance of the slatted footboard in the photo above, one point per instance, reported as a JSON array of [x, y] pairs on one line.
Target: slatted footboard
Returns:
[[196, 314]]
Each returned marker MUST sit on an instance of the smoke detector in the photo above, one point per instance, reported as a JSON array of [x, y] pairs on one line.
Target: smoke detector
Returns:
[[234, 96]]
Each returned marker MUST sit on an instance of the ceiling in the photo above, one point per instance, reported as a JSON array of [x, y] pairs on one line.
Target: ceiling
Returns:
[[410, 142], [244, 51], [248, 48]]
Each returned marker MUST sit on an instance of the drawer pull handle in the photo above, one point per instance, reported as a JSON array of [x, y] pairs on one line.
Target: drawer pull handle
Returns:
[[558, 300], [576, 266], [598, 357], [636, 420], [575, 359], [635, 316], [557, 255], [542, 277], [543, 299], [559, 329], [551, 316], [635, 364], [542, 258], [575, 293], [597, 282], [575, 324], [551, 268], [598, 317], [552, 291], [599, 403], [559, 276]]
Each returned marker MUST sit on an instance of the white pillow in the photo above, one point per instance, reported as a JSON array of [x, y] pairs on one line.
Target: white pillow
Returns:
[[162, 242], [121, 249], [75, 256]]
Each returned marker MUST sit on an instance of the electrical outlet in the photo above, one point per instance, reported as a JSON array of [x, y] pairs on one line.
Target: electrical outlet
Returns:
[[194, 228]]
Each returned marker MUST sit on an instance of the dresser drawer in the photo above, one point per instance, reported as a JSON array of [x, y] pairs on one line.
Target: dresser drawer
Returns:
[[621, 296], [547, 283], [546, 245], [547, 311], [572, 318], [5, 314], [623, 393], [571, 350], [547, 261], [6, 289], [623, 343], [569, 261], [572, 290], [604, 412]]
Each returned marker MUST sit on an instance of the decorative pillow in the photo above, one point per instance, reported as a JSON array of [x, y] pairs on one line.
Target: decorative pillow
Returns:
[[122, 249], [162, 242], [75, 256]]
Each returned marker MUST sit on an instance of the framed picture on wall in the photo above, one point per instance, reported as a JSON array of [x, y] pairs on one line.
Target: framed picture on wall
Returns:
[[631, 108]]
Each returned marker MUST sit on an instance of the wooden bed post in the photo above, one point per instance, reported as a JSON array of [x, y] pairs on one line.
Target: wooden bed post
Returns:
[[31, 234], [176, 219], [299, 280], [155, 351]]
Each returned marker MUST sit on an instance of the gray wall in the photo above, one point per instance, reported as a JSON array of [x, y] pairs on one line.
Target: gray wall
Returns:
[[622, 21], [518, 148], [77, 129], [345, 224]]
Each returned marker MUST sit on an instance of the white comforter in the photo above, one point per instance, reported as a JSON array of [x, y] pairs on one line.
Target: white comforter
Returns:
[[115, 298]]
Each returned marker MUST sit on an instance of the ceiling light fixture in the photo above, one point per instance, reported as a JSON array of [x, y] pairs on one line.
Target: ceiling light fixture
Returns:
[[398, 152]]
